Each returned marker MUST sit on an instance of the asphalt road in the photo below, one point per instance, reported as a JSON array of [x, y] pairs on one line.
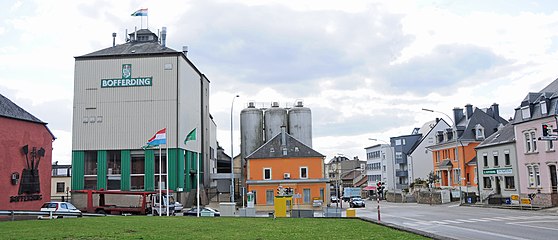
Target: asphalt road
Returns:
[[461, 222]]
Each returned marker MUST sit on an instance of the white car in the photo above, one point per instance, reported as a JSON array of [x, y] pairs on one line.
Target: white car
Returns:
[[178, 207], [58, 207]]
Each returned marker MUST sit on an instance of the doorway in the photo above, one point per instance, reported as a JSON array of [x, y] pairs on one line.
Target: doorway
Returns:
[[498, 188], [553, 178]]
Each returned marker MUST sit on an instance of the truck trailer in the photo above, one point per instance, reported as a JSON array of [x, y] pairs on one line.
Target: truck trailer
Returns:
[[139, 202]]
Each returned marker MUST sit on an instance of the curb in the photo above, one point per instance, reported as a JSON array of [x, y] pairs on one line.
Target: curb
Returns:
[[401, 228]]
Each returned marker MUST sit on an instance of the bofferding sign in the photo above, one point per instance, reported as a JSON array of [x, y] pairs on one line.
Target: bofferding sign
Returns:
[[127, 80]]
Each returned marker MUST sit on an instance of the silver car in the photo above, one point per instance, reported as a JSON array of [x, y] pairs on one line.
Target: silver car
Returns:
[[58, 207]]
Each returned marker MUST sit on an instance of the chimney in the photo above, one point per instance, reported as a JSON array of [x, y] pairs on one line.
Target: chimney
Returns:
[[113, 39], [495, 110], [185, 50], [283, 136], [469, 110], [164, 37], [457, 114], [135, 34]]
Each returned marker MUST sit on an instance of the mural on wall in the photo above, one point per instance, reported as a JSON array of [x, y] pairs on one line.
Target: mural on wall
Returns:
[[29, 184]]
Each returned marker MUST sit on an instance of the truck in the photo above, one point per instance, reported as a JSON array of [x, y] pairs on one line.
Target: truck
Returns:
[[350, 192], [131, 202]]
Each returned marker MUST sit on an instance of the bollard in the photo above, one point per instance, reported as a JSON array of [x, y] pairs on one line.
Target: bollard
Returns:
[[378, 209]]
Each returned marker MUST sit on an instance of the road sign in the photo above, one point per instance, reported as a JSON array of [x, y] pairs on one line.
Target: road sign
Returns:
[[526, 201], [549, 138]]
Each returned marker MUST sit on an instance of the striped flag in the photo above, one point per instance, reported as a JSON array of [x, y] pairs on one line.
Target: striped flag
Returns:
[[159, 138], [141, 12]]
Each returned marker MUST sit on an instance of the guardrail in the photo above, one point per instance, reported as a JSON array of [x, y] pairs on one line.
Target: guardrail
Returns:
[[46, 214]]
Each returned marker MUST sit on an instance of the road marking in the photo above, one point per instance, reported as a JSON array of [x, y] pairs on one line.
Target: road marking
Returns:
[[438, 222], [524, 224], [452, 221], [463, 220], [488, 233], [479, 220]]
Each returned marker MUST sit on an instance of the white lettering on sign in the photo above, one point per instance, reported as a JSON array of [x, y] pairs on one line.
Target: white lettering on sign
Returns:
[[128, 82]]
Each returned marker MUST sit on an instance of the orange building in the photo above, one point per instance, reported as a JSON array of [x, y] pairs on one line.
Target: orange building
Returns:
[[286, 162], [473, 126]]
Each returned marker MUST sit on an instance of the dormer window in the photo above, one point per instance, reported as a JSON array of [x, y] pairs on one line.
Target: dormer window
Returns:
[[543, 108], [525, 112], [479, 132]]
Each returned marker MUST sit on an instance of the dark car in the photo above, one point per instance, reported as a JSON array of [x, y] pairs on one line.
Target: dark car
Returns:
[[356, 202], [205, 211]]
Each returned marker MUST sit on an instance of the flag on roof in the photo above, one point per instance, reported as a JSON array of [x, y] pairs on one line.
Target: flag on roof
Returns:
[[159, 138], [141, 12], [190, 136]]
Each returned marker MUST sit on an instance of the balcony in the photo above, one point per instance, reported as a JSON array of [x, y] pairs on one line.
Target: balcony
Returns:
[[401, 161], [401, 173]]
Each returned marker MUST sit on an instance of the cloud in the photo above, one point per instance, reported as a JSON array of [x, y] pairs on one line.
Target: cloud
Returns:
[[279, 47], [445, 67]]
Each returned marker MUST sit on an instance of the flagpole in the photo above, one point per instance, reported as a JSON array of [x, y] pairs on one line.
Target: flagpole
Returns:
[[160, 190], [198, 184], [167, 184]]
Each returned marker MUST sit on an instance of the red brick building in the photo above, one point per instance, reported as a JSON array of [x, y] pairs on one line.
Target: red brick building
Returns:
[[25, 158]]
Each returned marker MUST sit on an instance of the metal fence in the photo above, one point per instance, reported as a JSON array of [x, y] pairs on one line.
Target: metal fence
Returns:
[[14, 214]]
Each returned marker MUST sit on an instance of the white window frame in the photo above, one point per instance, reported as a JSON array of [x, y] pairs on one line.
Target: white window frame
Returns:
[[531, 176], [495, 159], [544, 110], [526, 112], [397, 142], [530, 141], [270, 174], [300, 172]]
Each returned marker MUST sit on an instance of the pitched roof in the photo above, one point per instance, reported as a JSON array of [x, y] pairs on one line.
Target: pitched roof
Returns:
[[502, 136], [11, 110], [425, 135], [132, 48], [274, 149], [479, 117], [548, 95], [146, 44]]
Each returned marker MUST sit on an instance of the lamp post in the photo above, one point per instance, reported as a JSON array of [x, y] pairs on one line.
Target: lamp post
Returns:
[[393, 156], [232, 152], [454, 129]]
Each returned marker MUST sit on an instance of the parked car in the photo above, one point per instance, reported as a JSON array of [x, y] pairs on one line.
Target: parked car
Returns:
[[204, 210], [356, 202], [178, 207], [333, 199], [58, 207]]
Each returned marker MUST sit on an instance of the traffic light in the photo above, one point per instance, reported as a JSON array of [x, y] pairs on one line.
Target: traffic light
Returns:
[[546, 130], [280, 191]]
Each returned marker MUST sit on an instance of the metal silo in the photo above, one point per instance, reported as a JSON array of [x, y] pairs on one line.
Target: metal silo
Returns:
[[251, 129], [300, 123], [274, 118]]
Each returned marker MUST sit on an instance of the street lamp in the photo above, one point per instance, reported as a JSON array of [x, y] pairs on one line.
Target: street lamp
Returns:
[[232, 154], [454, 129], [393, 156]]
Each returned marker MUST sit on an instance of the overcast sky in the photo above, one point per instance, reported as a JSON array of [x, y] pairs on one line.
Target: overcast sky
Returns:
[[365, 68]]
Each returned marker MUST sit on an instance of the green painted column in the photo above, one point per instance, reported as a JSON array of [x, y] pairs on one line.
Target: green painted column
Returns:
[[149, 179], [180, 168], [188, 167], [172, 161], [78, 170], [102, 169], [126, 162]]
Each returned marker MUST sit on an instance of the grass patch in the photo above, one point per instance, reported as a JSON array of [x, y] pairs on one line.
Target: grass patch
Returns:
[[141, 227]]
